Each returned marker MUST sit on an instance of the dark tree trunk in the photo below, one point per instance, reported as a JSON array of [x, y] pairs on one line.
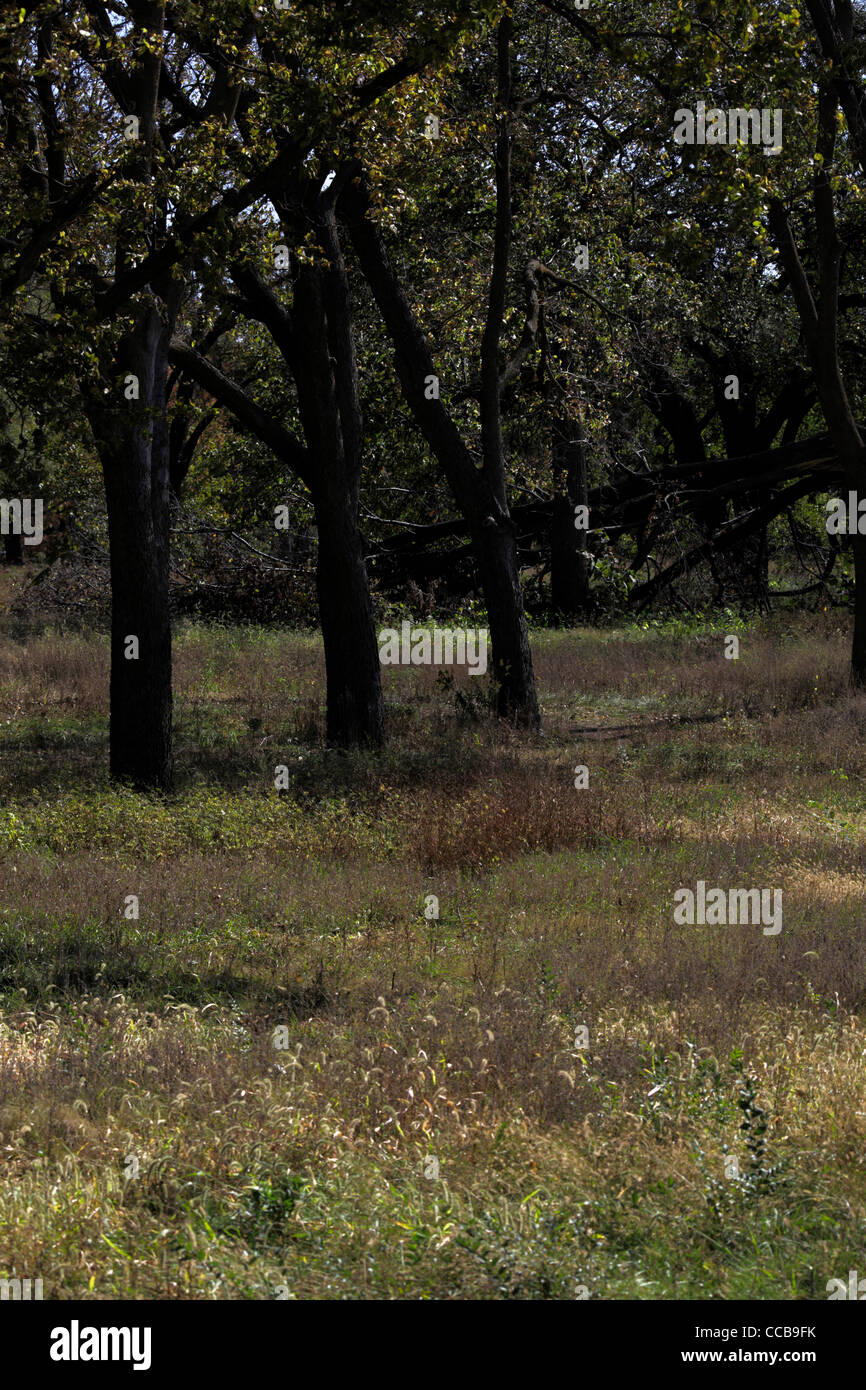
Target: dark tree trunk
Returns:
[[569, 564], [569, 559], [132, 440], [819, 317], [853, 454], [499, 573], [741, 573], [331, 471], [835, 27], [13, 549], [353, 671], [858, 643], [316, 341], [481, 494], [326, 377]]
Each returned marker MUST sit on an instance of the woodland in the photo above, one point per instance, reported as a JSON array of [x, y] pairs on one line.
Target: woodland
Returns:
[[326, 971], [415, 289]]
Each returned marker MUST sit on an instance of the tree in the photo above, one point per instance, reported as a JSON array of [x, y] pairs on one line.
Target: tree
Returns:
[[315, 340], [480, 492], [181, 165], [818, 297]]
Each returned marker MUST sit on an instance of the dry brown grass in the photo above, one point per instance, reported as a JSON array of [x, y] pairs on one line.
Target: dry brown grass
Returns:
[[408, 1040]]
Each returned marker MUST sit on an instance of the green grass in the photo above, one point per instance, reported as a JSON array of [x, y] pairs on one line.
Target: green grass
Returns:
[[280, 1080]]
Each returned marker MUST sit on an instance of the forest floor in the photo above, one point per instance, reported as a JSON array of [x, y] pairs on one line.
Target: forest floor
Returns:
[[281, 1080]]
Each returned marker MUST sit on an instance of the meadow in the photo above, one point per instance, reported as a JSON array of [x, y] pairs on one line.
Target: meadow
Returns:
[[282, 1080]]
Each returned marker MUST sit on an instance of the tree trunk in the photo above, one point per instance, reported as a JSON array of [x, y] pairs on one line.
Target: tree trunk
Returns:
[[569, 559], [326, 378], [569, 564], [354, 679], [13, 549], [353, 671], [819, 318], [132, 440], [853, 455], [858, 643], [516, 699], [480, 494]]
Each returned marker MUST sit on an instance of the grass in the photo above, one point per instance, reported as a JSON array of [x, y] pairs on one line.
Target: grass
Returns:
[[238, 1062]]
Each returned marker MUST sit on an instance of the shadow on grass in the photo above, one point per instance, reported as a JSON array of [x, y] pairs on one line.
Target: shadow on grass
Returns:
[[46, 971], [57, 762]]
